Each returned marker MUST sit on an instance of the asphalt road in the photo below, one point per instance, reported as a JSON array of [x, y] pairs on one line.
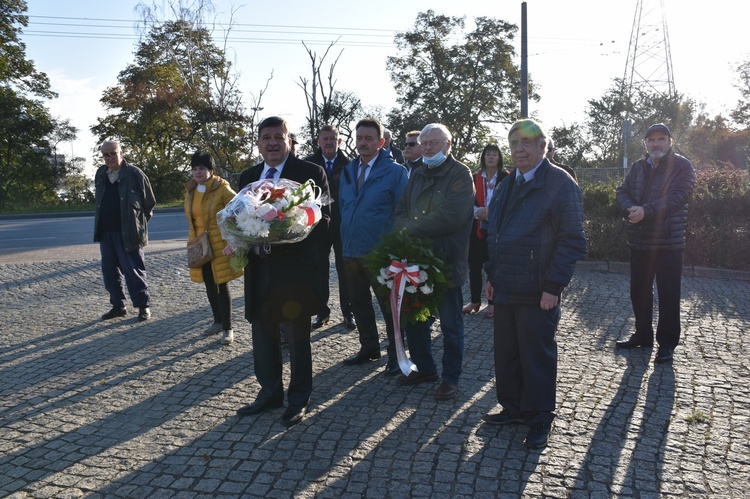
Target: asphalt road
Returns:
[[41, 238]]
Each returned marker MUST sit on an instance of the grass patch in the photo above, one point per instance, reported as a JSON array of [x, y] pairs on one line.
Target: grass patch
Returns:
[[697, 417]]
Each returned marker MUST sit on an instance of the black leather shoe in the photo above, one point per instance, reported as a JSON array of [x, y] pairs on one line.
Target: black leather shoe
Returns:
[[538, 435], [362, 357], [392, 369], [321, 320], [293, 415], [501, 418], [633, 342], [144, 314], [259, 406], [114, 313], [416, 377], [349, 322], [664, 355]]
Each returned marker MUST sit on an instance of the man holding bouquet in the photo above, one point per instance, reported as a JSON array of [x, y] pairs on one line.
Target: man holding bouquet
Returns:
[[282, 286]]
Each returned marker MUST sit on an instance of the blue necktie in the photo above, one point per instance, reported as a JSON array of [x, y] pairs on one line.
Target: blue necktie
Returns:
[[271, 173], [329, 167]]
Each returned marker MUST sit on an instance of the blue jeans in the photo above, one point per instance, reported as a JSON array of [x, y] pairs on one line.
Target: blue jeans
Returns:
[[452, 326], [119, 265]]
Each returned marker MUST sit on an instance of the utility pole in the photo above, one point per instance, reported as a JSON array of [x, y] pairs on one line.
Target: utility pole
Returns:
[[524, 65]]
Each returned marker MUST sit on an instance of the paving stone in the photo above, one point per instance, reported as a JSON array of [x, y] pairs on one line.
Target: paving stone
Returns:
[[131, 409]]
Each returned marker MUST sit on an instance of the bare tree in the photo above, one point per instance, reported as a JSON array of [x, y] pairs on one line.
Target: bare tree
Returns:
[[325, 104]]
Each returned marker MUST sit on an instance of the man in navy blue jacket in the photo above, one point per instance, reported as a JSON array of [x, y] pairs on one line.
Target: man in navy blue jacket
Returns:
[[535, 236]]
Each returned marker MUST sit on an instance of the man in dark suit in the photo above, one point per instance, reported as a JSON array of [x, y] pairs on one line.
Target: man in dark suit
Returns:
[[283, 286], [332, 159], [412, 152], [388, 147]]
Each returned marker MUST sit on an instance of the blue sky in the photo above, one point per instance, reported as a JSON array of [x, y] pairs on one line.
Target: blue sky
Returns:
[[576, 47]]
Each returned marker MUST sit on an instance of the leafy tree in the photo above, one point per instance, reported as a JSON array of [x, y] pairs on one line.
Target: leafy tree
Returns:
[[741, 114], [644, 107], [25, 123], [177, 96], [467, 85]]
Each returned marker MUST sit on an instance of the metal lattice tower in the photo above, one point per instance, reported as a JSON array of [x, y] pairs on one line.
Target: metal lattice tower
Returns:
[[649, 65]]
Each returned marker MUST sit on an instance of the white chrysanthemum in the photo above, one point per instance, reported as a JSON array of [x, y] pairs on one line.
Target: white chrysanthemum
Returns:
[[251, 225], [426, 289], [384, 272], [422, 276], [389, 283], [410, 289], [381, 279]]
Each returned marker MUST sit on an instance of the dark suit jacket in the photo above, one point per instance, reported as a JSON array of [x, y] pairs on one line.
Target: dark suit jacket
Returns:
[[333, 184], [397, 154], [414, 166], [285, 284]]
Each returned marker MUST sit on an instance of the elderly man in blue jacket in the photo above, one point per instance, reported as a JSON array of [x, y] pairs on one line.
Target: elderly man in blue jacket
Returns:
[[370, 187], [535, 237]]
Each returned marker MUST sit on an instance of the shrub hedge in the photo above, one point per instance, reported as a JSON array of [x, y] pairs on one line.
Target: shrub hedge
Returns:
[[718, 220]]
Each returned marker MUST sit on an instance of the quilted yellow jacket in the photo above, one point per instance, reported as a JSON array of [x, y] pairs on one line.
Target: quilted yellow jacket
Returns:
[[222, 194]]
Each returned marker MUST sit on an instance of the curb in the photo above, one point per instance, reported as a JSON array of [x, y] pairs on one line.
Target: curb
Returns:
[[70, 214], [687, 271]]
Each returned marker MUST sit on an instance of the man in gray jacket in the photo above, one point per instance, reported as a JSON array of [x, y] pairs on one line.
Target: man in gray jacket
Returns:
[[653, 199], [124, 204]]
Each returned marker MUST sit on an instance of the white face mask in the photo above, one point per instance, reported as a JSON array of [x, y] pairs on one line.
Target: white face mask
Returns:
[[434, 160]]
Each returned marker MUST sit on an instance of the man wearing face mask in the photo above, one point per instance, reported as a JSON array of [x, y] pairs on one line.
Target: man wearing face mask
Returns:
[[653, 198], [439, 204]]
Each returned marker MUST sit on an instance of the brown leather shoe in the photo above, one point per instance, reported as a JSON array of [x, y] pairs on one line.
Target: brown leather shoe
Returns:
[[446, 391]]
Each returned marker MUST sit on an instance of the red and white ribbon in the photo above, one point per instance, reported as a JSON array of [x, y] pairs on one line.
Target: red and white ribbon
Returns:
[[313, 214], [401, 273]]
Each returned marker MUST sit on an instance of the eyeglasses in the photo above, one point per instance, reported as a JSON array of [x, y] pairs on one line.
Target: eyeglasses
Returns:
[[434, 142], [526, 143], [109, 154], [411, 144]]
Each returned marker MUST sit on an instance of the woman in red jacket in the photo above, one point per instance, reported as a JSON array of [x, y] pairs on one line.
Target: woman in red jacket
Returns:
[[490, 174]]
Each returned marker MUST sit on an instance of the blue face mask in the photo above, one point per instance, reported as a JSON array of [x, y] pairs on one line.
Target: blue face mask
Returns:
[[435, 160]]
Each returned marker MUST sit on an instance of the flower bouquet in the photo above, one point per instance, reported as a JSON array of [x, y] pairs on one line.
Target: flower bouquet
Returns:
[[269, 212], [413, 275]]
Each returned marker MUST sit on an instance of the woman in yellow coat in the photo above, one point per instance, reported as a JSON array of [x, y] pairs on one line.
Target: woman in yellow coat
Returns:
[[206, 195]]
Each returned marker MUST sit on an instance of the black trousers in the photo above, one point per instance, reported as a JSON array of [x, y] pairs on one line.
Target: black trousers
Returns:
[[360, 282], [478, 255], [219, 298], [526, 360], [666, 268], [332, 239]]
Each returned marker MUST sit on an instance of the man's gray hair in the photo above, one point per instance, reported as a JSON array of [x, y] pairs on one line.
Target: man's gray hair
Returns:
[[436, 126], [530, 128], [115, 143]]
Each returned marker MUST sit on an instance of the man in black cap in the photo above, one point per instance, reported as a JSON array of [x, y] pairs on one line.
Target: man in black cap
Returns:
[[653, 199]]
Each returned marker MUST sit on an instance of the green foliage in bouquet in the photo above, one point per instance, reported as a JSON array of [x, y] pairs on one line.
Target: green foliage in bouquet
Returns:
[[420, 301]]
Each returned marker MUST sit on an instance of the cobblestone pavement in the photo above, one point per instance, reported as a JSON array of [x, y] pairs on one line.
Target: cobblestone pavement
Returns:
[[129, 409]]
